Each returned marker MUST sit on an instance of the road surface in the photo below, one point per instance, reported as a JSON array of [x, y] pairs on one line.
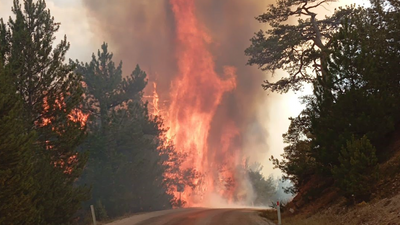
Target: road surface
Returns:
[[197, 216]]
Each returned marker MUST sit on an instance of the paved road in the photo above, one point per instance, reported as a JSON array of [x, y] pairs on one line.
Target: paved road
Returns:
[[197, 216]]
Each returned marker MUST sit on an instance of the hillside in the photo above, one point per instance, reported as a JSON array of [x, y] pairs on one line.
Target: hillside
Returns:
[[342, 151], [331, 208]]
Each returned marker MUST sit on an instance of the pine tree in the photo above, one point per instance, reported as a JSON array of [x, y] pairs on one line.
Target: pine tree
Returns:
[[50, 92], [297, 162], [358, 170], [296, 49], [125, 166], [356, 84], [264, 190], [365, 83], [17, 204]]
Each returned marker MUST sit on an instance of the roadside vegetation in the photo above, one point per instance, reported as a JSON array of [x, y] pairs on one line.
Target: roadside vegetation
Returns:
[[345, 141], [74, 134], [78, 133], [378, 211]]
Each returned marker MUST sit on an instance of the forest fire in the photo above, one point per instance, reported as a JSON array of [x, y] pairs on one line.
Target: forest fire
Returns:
[[76, 115], [212, 111], [156, 99], [197, 92]]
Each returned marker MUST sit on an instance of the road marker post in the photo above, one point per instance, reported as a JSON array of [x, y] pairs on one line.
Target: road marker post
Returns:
[[278, 207], [93, 214]]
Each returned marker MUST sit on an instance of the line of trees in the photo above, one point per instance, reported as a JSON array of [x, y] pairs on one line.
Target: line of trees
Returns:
[[351, 59], [74, 134], [53, 161]]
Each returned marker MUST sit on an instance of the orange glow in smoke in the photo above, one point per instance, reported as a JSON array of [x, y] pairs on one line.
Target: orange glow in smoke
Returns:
[[196, 93]]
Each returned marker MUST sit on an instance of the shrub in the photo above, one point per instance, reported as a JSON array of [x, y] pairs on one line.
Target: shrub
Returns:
[[358, 170]]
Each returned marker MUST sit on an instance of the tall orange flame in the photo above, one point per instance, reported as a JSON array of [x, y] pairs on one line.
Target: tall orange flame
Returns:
[[196, 93], [156, 99]]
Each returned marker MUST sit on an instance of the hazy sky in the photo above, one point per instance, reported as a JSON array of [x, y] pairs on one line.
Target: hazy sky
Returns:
[[76, 25]]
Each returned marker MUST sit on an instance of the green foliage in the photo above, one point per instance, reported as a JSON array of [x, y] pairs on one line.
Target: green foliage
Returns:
[[356, 83], [296, 49], [127, 148], [50, 93], [358, 169], [101, 212], [264, 190], [17, 204], [364, 86], [297, 162]]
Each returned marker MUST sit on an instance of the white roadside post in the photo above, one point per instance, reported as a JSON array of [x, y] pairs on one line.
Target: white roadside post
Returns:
[[279, 212], [93, 214]]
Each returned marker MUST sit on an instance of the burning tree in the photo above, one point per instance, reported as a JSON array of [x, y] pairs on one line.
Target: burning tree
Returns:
[[197, 92], [129, 153]]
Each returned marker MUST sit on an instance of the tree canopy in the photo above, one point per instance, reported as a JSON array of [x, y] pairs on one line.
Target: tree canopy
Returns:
[[47, 95], [352, 60], [299, 49], [128, 151]]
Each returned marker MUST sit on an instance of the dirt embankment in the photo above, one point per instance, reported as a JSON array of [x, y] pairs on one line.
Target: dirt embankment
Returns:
[[332, 209]]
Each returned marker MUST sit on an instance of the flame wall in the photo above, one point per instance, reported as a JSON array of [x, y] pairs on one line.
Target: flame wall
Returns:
[[194, 51]]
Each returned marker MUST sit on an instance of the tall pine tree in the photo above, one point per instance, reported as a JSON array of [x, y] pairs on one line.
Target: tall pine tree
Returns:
[[357, 105], [125, 166], [17, 205], [50, 94]]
